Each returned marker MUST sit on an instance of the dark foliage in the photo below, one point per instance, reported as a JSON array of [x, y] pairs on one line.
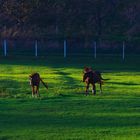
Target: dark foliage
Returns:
[[111, 19]]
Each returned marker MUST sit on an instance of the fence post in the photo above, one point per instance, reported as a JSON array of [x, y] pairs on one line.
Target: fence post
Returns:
[[65, 48], [5, 47], [36, 48], [123, 51], [95, 45]]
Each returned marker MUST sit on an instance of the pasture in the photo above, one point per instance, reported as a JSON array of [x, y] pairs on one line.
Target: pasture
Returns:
[[63, 112]]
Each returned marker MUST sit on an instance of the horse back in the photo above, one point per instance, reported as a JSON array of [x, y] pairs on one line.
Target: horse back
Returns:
[[35, 78], [97, 78]]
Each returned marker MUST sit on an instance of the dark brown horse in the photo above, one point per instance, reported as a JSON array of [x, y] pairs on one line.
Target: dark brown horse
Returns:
[[35, 82], [92, 77]]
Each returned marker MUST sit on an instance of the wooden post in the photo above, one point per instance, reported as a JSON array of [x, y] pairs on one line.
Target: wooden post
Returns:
[[36, 48], [123, 51], [95, 45], [5, 47], [65, 48]]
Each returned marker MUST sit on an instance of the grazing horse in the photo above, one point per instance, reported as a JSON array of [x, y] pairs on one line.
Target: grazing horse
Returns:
[[35, 82], [92, 77]]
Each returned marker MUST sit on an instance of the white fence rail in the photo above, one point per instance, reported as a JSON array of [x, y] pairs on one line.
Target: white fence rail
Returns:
[[65, 48]]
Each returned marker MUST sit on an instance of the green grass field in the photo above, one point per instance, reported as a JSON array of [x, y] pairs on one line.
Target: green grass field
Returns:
[[63, 112]]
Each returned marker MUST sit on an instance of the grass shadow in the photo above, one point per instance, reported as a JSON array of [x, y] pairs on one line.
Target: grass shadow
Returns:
[[123, 83]]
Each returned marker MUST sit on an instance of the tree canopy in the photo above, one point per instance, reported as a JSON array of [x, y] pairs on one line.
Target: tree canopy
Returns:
[[70, 18]]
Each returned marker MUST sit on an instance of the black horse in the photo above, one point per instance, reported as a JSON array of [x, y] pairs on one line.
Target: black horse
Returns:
[[92, 77]]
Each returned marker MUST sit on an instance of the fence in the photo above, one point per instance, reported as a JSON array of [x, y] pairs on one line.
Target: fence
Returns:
[[67, 48]]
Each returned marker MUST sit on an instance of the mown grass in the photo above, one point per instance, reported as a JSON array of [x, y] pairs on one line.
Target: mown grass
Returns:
[[63, 111]]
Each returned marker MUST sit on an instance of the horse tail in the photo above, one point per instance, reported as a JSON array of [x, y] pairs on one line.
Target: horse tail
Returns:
[[98, 73], [44, 84]]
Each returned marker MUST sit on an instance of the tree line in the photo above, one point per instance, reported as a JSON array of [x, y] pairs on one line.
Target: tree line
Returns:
[[109, 19]]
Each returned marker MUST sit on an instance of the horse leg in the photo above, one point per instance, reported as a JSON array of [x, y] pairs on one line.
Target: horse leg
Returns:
[[33, 90], [37, 91], [100, 87], [87, 87], [93, 89]]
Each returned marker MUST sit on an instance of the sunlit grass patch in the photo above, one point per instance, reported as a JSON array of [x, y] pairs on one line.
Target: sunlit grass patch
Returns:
[[63, 111]]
